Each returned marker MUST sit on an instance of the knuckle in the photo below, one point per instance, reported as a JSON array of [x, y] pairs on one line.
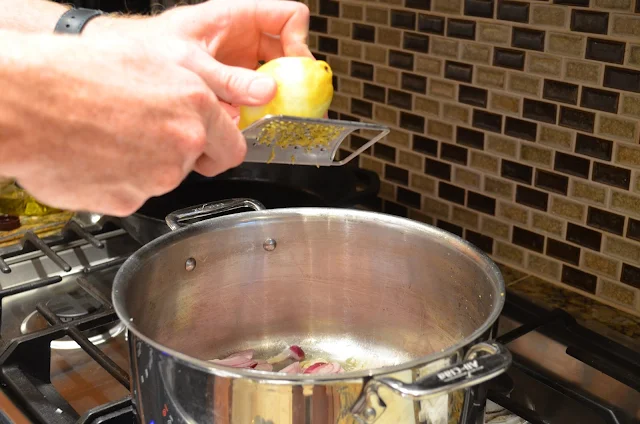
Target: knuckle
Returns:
[[194, 141], [200, 98], [168, 178]]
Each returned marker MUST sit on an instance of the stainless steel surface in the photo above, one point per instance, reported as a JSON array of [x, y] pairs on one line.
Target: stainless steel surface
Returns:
[[302, 141], [550, 355], [396, 295]]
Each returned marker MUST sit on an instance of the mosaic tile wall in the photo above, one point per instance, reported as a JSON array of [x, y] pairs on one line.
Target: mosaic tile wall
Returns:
[[515, 125]]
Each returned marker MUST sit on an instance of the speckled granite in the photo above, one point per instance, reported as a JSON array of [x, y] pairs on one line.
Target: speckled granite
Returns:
[[597, 316]]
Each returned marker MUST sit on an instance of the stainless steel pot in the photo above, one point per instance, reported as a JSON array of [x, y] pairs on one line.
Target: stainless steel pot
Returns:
[[413, 305]]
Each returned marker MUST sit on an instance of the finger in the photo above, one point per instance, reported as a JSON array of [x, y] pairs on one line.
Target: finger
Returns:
[[226, 147], [269, 48], [234, 84], [287, 19], [232, 111]]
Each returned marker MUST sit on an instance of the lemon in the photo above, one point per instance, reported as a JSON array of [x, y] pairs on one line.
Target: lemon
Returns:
[[305, 90]]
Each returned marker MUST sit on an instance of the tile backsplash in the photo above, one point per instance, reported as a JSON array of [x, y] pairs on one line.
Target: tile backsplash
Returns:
[[514, 125]]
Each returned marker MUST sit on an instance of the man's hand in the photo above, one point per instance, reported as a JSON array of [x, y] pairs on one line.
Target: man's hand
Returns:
[[104, 121]]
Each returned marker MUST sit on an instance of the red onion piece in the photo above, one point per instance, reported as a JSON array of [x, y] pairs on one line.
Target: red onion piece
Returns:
[[293, 352], [324, 368], [248, 354], [263, 367]]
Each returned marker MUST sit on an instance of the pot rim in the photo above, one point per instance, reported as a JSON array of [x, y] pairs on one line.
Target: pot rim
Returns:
[[211, 225]]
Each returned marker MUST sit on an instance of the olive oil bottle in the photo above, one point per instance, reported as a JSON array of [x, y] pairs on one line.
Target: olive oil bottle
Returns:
[[17, 202]]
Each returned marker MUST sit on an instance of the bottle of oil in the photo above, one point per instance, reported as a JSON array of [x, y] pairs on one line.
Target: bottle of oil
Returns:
[[17, 202]]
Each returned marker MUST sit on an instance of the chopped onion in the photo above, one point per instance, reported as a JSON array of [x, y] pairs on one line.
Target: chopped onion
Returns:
[[324, 368], [292, 352], [294, 368], [263, 367]]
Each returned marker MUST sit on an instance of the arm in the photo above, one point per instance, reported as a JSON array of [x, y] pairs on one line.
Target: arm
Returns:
[[30, 15]]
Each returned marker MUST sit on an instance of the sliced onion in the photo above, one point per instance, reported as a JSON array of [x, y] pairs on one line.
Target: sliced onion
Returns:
[[292, 352], [236, 362], [263, 367], [324, 368], [248, 354]]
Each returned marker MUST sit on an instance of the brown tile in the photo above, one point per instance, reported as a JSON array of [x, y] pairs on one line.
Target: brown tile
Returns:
[[423, 184], [442, 89], [583, 71], [509, 253], [399, 138], [510, 275], [463, 176], [566, 44], [349, 86], [555, 16], [505, 103], [568, 209], [600, 264], [350, 49], [313, 41], [624, 129], [625, 26], [501, 145], [389, 36], [452, 7], [495, 228], [456, 113], [392, 2], [543, 266], [628, 155], [423, 105], [490, 77], [440, 129], [484, 162], [525, 84], [555, 137], [435, 208], [494, 33], [377, 15], [623, 249], [338, 27], [340, 102], [498, 187], [338, 65], [352, 11], [634, 55], [536, 155], [476, 53], [637, 184], [410, 160], [618, 293], [375, 54], [624, 202], [387, 190], [371, 164], [385, 115], [544, 64], [389, 77], [546, 223], [630, 105], [418, 216], [313, 5], [589, 192], [613, 4], [444, 47], [428, 65], [513, 213], [465, 217]]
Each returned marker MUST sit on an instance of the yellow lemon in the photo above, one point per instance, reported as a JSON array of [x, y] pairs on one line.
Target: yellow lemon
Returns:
[[305, 90]]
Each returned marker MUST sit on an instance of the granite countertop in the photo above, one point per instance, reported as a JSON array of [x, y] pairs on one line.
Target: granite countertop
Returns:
[[604, 319]]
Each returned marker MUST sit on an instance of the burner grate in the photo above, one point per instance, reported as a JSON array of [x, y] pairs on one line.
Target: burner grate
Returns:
[[25, 362]]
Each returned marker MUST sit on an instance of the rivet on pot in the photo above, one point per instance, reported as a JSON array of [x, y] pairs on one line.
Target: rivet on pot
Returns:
[[369, 414], [190, 264], [269, 245]]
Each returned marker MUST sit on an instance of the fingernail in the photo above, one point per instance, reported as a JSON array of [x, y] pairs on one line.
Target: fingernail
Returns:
[[262, 89]]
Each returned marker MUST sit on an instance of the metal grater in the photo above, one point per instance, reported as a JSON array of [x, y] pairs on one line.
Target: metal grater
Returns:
[[303, 141]]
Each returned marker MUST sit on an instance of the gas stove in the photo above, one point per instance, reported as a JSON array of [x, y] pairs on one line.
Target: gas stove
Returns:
[[64, 354]]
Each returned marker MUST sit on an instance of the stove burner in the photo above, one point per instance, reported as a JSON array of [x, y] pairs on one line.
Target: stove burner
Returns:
[[68, 307]]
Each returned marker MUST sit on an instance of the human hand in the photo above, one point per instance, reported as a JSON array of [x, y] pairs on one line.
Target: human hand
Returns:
[[237, 35], [122, 121]]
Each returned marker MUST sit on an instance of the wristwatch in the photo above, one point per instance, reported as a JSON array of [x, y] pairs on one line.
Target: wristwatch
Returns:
[[73, 20]]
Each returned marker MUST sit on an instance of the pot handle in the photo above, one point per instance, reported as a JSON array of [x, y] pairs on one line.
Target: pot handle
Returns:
[[174, 219], [482, 362]]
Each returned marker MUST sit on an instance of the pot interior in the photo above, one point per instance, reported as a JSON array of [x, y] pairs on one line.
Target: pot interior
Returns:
[[344, 285]]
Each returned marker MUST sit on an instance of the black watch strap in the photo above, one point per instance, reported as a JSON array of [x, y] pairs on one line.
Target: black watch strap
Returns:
[[73, 21]]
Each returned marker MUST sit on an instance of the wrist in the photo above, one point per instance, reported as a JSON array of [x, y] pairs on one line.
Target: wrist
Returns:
[[123, 25]]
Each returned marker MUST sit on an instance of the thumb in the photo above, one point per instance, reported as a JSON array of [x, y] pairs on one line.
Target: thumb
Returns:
[[235, 85]]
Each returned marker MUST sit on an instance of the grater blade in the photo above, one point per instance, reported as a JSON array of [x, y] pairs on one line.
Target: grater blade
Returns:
[[303, 141]]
